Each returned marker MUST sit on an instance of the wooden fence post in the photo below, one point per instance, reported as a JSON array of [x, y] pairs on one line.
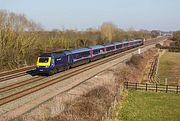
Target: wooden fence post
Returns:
[[166, 88], [156, 88], [127, 85], [146, 86], [177, 89], [166, 81], [136, 86]]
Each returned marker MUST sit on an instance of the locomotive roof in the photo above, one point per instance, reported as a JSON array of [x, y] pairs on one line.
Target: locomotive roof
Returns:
[[45, 55], [55, 54], [79, 50]]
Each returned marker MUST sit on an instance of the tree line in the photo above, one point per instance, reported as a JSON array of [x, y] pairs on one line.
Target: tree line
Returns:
[[22, 40], [176, 38]]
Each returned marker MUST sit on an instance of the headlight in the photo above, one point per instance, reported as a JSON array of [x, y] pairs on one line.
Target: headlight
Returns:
[[46, 66]]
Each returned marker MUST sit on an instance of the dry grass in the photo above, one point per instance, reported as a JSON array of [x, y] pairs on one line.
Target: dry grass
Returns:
[[90, 107], [134, 71]]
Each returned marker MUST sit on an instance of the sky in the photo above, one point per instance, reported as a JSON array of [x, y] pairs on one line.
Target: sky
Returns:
[[82, 14]]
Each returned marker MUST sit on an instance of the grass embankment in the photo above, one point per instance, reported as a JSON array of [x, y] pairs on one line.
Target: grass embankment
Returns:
[[149, 106], [169, 67]]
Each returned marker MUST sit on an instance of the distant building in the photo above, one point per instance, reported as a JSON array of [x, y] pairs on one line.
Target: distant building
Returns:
[[156, 33]]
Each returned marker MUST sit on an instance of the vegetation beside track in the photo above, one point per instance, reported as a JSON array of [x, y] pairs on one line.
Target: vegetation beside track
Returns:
[[169, 68], [22, 40], [176, 38], [149, 106], [133, 72]]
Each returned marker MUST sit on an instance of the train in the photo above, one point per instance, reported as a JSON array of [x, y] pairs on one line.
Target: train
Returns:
[[54, 62]]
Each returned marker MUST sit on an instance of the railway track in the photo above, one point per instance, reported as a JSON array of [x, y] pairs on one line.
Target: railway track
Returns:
[[16, 70], [2, 79], [15, 73], [20, 84], [43, 85]]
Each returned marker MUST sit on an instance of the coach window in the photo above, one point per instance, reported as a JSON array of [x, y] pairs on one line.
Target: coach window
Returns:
[[85, 54], [108, 49], [112, 47], [96, 51], [119, 46], [81, 55], [101, 51], [76, 56], [88, 54]]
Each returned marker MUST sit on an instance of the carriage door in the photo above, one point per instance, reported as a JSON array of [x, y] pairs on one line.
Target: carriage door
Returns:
[[68, 59]]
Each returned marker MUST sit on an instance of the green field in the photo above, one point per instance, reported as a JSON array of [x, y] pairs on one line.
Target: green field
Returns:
[[149, 106], [169, 67]]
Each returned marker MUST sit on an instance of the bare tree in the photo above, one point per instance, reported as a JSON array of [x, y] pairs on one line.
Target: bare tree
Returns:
[[16, 39], [107, 31]]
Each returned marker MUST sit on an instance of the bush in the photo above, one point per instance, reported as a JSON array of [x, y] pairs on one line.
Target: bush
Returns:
[[158, 45], [90, 107], [176, 38], [135, 60]]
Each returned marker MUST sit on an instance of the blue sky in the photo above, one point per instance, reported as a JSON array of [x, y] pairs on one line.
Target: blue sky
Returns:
[[82, 14]]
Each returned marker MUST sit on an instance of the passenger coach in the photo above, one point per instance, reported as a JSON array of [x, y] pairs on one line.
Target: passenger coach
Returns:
[[96, 52], [80, 56]]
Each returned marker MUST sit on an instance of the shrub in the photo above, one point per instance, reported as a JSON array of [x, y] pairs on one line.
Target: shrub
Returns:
[[158, 45], [90, 107], [135, 60]]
